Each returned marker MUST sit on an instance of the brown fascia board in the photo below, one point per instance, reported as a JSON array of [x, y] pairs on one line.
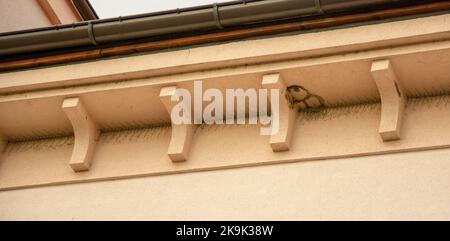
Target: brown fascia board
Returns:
[[127, 49], [85, 9]]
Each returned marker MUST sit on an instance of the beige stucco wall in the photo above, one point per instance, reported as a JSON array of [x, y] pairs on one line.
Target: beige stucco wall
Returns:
[[397, 186], [21, 14], [28, 14]]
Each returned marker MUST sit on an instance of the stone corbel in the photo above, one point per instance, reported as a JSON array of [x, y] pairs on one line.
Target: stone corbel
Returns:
[[85, 131], [281, 141], [181, 134], [393, 100]]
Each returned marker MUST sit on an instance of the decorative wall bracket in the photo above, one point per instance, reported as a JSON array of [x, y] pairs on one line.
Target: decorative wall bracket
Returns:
[[85, 131], [181, 134], [393, 100], [281, 141]]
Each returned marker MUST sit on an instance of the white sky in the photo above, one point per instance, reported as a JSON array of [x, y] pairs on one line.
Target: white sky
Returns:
[[115, 8]]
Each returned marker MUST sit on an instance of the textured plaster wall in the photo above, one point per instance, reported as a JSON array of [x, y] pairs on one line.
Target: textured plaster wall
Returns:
[[396, 186]]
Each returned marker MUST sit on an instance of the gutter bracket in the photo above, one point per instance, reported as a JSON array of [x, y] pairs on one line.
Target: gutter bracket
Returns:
[[85, 131], [217, 16], [182, 134], [91, 33], [393, 99], [281, 141], [319, 7]]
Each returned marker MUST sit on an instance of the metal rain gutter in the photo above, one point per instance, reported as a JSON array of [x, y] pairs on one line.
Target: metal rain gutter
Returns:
[[202, 18]]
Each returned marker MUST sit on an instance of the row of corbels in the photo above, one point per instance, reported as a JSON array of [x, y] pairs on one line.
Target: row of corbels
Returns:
[[86, 131]]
